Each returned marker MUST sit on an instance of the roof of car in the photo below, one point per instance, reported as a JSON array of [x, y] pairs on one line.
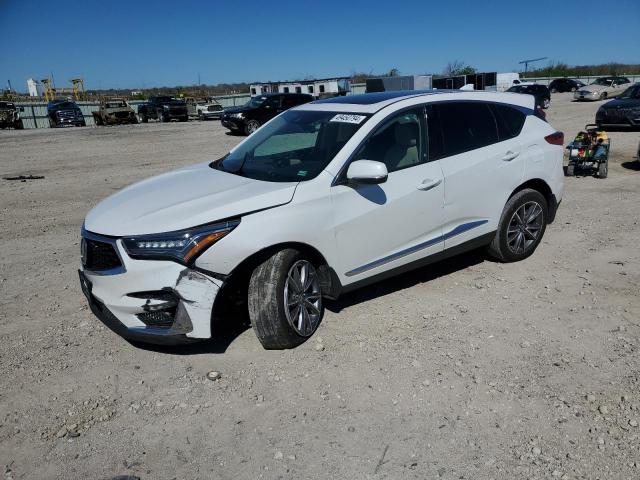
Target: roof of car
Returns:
[[373, 102]]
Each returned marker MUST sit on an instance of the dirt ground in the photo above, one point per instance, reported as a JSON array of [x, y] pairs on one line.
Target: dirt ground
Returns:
[[467, 369]]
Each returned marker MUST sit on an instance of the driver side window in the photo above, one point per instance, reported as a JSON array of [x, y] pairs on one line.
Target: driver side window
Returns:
[[398, 143]]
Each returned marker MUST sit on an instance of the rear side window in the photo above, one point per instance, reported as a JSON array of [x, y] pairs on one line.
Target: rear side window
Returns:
[[465, 126], [509, 121]]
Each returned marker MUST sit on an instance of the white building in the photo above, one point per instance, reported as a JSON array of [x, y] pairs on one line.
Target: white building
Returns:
[[324, 87], [35, 88]]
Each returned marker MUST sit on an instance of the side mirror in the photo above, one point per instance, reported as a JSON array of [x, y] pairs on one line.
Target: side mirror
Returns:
[[22, 109], [367, 172]]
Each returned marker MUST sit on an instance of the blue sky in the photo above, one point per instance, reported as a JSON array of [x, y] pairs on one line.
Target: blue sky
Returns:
[[134, 44]]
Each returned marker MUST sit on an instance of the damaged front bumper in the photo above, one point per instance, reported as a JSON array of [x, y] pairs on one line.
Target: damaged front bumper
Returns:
[[152, 301]]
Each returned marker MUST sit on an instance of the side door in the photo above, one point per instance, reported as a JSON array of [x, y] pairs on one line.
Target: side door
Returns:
[[271, 107], [481, 167], [383, 226]]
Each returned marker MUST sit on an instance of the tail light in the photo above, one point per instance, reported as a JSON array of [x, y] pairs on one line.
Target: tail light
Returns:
[[540, 113], [556, 138]]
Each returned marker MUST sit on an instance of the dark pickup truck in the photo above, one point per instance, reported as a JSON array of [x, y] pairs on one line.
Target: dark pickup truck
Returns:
[[163, 109]]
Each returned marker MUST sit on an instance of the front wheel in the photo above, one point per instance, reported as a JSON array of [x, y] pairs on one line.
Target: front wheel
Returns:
[[545, 103], [285, 300], [554, 90], [252, 126], [19, 125], [603, 96], [521, 227]]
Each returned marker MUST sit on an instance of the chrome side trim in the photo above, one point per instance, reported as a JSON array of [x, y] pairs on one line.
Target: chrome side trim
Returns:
[[460, 229], [84, 233]]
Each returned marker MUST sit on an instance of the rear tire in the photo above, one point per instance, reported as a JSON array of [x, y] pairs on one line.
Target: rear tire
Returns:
[[143, 118], [603, 169], [521, 227], [19, 125], [570, 170], [545, 103], [553, 90], [282, 314]]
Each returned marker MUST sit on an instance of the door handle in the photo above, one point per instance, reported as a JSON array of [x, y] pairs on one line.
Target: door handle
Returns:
[[428, 184], [510, 155]]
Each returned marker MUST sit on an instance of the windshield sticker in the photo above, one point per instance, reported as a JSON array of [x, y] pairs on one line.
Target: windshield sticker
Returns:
[[302, 173], [348, 118]]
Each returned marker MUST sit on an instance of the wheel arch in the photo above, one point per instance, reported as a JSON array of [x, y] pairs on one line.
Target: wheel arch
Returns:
[[236, 283], [543, 187]]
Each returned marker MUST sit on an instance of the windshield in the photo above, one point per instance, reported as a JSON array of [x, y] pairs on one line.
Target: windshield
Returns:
[[294, 146], [255, 102], [116, 104], [631, 92], [520, 89], [64, 105], [602, 81]]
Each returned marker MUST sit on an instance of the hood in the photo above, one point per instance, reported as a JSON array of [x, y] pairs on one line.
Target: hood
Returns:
[[237, 109], [622, 103], [594, 88], [184, 198]]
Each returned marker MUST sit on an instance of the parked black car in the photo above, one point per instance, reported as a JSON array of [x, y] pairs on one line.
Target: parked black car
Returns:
[[565, 85], [65, 113], [623, 111], [10, 116], [260, 109], [164, 109], [540, 92]]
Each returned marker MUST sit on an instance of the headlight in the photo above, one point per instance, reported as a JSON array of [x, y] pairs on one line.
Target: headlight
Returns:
[[183, 246], [236, 115]]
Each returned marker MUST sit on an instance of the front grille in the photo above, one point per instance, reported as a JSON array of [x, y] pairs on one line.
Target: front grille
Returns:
[[100, 256], [67, 114], [121, 114], [214, 108]]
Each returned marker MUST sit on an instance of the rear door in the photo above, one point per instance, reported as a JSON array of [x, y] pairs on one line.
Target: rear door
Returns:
[[481, 166]]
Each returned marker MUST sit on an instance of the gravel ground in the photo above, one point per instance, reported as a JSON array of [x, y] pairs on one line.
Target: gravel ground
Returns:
[[467, 369]]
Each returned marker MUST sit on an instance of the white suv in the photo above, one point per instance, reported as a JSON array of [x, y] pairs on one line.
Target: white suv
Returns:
[[324, 198]]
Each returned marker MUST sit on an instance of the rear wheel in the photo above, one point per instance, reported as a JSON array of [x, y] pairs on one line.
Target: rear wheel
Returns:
[[603, 169], [143, 118], [521, 227], [546, 103], [571, 170], [573, 89], [554, 90], [19, 125], [285, 300]]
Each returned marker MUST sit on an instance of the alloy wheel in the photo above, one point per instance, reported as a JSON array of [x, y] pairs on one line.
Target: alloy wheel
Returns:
[[525, 227], [302, 298]]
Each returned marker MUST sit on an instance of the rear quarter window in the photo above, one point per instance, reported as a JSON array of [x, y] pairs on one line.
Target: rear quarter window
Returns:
[[509, 121]]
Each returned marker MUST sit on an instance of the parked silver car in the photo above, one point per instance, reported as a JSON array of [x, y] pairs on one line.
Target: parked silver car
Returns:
[[602, 88]]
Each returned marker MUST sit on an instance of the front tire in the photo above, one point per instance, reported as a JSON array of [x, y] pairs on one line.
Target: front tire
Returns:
[[603, 96], [521, 228], [252, 126], [284, 300], [545, 103]]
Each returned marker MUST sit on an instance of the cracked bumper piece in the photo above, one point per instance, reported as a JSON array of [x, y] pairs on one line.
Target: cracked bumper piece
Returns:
[[153, 301]]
